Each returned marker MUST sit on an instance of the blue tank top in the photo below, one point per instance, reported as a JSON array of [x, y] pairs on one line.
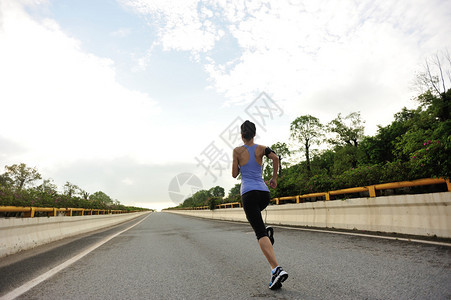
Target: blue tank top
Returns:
[[251, 174]]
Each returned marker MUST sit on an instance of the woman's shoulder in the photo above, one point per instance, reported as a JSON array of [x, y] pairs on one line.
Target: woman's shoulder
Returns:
[[260, 150], [239, 149]]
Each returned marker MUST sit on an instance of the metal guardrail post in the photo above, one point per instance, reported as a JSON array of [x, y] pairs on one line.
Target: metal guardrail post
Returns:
[[372, 191]]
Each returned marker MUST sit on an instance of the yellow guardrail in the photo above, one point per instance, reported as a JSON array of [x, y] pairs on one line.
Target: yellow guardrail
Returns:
[[222, 205], [201, 207], [29, 212], [372, 189], [229, 205]]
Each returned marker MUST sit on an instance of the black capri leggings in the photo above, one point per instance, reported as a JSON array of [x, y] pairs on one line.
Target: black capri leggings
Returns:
[[253, 203]]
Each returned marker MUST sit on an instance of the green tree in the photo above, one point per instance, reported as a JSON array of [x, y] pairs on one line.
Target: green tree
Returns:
[[70, 189], [282, 151], [234, 193], [381, 148], [5, 180], [434, 83], [201, 197], [84, 194], [345, 158], [213, 201], [292, 181], [21, 175], [438, 106], [436, 74], [101, 198], [307, 130], [217, 192], [323, 162], [188, 202], [348, 130], [48, 186]]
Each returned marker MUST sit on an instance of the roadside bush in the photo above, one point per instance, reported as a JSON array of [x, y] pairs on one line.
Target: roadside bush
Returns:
[[360, 176], [432, 160], [319, 183], [213, 201]]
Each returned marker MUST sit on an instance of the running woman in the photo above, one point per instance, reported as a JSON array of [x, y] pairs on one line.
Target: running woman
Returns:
[[255, 196]]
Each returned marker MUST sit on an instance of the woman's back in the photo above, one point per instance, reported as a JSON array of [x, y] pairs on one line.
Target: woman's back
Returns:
[[251, 171]]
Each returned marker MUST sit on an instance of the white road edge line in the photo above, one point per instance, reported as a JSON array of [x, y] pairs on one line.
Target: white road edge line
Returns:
[[369, 236], [34, 282], [348, 233]]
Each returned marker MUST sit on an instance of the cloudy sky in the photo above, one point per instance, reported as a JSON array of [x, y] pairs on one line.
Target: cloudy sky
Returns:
[[141, 98]]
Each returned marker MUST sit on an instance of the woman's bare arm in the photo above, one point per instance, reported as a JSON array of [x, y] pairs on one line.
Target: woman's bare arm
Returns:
[[275, 168], [235, 166]]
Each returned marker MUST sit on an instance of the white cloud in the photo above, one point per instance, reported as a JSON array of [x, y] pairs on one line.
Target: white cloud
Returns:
[[121, 32], [61, 102], [320, 57], [127, 181], [185, 26]]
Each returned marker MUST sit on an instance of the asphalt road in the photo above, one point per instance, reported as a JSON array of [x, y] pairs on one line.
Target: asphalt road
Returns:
[[169, 256]]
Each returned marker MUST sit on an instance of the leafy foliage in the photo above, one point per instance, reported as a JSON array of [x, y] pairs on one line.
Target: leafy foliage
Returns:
[[308, 130], [417, 144], [16, 189], [217, 192], [20, 175], [348, 130], [282, 151]]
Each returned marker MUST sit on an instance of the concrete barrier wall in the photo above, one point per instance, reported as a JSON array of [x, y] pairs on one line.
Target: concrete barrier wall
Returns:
[[424, 214], [17, 234]]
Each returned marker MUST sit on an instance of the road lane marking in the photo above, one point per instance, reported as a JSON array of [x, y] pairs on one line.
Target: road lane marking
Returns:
[[368, 235], [34, 282], [350, 233]]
